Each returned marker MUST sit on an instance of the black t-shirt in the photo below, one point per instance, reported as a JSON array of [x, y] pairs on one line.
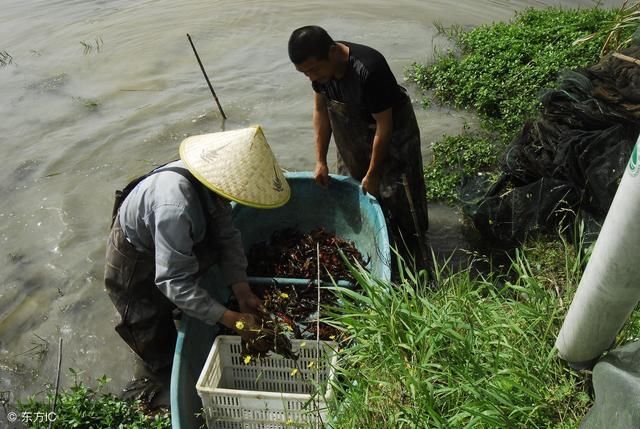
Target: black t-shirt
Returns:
[[368, 84]]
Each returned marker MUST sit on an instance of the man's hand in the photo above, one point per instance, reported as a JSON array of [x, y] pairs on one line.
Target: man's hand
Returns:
[[371, 184], [247, 300], [322, 174], [379, 152]]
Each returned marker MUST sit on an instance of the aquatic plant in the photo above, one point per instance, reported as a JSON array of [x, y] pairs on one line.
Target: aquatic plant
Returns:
[[5, 59], [91, 104], [88, 47], [497, 71], [455, 159]]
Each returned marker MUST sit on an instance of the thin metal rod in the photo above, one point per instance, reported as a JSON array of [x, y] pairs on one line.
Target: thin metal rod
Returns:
[[206, 77]]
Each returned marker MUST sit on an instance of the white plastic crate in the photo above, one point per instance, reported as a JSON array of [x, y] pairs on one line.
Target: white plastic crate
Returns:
[[264, 394]]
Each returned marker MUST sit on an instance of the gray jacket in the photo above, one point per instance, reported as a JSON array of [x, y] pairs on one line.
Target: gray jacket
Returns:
[[162, 216]]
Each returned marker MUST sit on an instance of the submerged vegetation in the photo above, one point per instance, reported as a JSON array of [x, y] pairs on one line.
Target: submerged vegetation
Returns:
[[88, 47], [498, 71], [91, 104], [5, 59]]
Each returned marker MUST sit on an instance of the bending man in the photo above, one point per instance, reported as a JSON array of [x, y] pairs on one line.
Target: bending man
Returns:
[[174, 225]]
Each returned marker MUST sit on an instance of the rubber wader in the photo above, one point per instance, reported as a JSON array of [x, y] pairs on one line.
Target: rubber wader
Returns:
[[353, 135], [146, 315]]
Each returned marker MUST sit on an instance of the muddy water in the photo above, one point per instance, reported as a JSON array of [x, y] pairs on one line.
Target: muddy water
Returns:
[[98, 92]]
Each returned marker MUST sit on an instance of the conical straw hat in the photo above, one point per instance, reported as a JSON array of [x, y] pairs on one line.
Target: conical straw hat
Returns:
[[239, 165]]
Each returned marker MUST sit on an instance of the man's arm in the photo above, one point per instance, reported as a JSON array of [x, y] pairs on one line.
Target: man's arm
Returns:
[[177, 266], [322, 129], [379, 152]]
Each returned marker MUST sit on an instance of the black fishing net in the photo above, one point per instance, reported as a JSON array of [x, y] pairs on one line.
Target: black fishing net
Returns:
[[570, 160]]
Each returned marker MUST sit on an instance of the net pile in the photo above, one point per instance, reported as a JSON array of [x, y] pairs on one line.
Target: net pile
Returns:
[[569, 160]]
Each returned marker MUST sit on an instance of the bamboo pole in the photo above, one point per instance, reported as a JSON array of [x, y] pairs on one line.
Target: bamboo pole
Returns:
[[206, 77]]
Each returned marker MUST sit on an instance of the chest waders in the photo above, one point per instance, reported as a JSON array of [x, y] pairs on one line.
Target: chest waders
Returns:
[[353, 135], [146, 315]]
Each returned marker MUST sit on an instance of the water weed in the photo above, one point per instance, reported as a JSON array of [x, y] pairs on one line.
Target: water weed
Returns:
[[456, 159], [88, 47], [498, 71], [5, 59]]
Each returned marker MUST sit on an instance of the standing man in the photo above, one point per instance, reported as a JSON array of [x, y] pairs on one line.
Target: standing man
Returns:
[[358, 100], [173, 225]]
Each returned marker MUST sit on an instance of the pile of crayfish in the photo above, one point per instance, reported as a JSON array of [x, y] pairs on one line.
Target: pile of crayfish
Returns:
[[290, 312], [293, 254]]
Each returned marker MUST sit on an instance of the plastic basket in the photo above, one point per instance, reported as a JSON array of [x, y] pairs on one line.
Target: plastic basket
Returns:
[[266, 393]]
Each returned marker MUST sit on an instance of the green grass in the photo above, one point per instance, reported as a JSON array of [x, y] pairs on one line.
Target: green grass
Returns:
[[82, 406], [476, 353], [498, 71], [500, 68]]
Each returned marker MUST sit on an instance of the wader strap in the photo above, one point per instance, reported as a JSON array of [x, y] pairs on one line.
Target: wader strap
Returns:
[[121, 195]]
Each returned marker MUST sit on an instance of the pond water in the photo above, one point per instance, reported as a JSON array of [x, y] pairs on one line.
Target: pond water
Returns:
[[98, 92]]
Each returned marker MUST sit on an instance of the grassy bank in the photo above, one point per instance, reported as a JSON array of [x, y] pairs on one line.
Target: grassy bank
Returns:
[[476, 353], [498, 72]]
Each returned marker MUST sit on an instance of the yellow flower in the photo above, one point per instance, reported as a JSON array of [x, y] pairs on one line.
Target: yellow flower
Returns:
[[294, 371], [310, 364], [247, 359], [332, 337], [284, 295], [239, 325], [289, 422], [302, 344]]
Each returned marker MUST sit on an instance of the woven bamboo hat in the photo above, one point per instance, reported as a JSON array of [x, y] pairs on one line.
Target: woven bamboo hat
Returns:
[[239, 165]]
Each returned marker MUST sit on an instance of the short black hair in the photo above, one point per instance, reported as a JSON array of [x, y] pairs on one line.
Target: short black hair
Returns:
[[309, 41]]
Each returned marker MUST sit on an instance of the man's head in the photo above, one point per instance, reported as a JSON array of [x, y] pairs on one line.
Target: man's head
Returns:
[[314, 53]]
